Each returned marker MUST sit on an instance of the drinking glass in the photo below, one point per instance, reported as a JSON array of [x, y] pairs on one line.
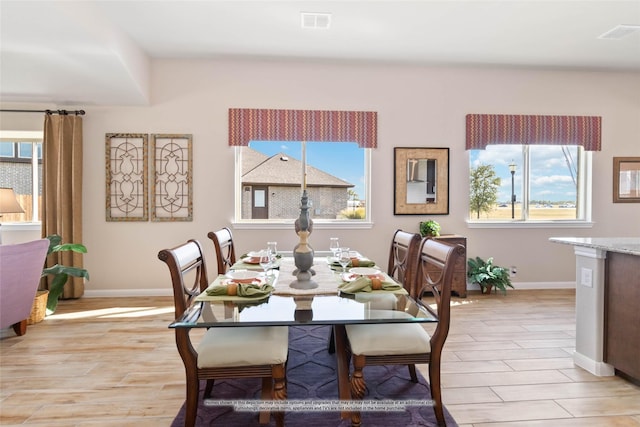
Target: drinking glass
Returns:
[[343, 258], [334, 246], [265, 260], [273, 247]]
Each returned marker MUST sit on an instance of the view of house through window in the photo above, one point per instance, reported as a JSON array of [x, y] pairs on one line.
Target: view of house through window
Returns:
[[272, 177], [21, 169], [545, 184]]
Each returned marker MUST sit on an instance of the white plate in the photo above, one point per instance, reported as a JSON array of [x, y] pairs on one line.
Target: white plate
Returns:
[[349, 277], [242, 274], [364, 271]]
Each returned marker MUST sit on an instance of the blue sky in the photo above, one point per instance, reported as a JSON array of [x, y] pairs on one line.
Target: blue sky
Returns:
[[550, 175], [344, 160]]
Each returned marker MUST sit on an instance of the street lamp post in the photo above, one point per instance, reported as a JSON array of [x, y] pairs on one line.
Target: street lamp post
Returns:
[[512, 169]]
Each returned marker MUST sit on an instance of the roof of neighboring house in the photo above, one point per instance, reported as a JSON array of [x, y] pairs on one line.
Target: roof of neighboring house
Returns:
[[251, 158], [257, 168]]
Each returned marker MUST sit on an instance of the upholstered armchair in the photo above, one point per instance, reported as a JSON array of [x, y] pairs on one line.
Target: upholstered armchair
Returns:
[[20, 271]]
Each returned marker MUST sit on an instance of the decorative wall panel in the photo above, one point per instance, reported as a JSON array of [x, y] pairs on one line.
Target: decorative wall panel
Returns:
[[172, 181], [127, 177]]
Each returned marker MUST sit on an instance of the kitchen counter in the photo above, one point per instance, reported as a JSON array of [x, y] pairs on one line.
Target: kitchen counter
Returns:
[[628, 245], [607, 301]]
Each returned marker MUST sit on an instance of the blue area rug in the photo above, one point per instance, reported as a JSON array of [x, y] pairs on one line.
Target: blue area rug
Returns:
[[311, 375]]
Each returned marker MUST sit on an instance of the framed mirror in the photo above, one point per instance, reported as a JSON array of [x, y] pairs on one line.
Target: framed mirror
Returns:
[[421, 181], [626, 180]]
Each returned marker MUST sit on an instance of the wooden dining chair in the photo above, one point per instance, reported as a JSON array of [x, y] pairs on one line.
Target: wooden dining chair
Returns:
[[225, 249], [409, 343], [225, 352], [402, 256]]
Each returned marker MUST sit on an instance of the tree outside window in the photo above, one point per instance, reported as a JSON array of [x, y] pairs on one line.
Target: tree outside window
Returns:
[[549, 183]]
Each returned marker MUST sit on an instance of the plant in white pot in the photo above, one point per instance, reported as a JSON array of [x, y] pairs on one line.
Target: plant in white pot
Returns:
[[488, 275]]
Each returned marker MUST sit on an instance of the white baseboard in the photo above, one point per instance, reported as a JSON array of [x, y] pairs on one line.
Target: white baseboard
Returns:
[[543, 285], [599, 369], [113, 293], [165, 292], [531, 285]]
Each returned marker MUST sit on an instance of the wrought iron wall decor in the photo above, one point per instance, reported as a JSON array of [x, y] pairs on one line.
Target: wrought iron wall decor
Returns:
[[127, 177], [172, 183]]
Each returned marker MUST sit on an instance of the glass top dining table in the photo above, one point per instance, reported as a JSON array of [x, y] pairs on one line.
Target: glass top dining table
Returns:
[[288, 306], [322, 305]]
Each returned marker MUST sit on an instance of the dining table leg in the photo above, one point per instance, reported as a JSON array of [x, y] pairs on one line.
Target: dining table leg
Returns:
[[342, 362]]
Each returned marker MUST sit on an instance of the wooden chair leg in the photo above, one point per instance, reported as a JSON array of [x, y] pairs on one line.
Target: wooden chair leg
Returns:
[[20, 328], [208, 388], [278, 372], [191, 404], [331, 346], [358, 386], [436, 395], [412, 373], [267, 394]]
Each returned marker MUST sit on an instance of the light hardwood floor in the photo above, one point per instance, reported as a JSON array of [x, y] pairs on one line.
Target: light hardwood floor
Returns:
[[113, 362]]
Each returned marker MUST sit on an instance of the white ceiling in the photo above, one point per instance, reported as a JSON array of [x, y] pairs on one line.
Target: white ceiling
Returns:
[[99, 52]]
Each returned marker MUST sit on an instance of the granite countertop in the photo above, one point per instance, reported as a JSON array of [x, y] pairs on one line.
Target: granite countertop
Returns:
[[625, 245]]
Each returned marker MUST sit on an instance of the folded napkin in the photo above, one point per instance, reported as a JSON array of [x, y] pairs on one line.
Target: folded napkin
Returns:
[[233, 288], [367, 284], [355, 262]]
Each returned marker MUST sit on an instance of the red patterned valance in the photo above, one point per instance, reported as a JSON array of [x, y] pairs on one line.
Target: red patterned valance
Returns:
[[302, 125], [485, 129]]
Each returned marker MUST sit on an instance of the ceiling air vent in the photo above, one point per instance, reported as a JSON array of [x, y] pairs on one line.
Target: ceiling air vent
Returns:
[[620, 31], [318, 21]]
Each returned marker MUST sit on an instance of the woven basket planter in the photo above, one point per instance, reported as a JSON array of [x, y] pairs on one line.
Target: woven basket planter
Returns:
[[39, 309]]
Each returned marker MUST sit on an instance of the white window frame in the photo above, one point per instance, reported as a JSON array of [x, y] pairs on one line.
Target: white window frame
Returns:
[[33, 137], [267, 224], [13, 150], [584, 193]]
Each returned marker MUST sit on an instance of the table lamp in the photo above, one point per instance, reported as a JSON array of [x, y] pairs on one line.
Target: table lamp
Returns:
[[8, 204]]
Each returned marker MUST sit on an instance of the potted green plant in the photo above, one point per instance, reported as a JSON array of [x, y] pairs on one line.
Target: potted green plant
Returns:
[[429, 228], [59, 272], [488, 275]]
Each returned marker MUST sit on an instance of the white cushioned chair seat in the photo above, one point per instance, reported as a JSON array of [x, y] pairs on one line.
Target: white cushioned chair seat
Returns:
[[378, 301], [388, 339], [258, 345]]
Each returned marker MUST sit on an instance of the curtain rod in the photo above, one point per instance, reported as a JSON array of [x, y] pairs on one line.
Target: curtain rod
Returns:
[[61, 112]]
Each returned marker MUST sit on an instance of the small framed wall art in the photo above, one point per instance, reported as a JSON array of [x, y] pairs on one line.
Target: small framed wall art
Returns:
[[421, 181], [626, 180]]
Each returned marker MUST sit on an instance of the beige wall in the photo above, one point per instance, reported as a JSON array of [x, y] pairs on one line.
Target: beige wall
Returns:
[[417, 106]]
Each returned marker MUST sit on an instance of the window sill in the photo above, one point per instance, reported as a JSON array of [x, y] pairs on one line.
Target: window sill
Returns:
[[21, 226], [529, 224], [254, 225]]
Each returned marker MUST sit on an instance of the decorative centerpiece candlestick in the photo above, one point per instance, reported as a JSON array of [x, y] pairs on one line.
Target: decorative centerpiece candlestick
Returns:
[[303, 252]]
